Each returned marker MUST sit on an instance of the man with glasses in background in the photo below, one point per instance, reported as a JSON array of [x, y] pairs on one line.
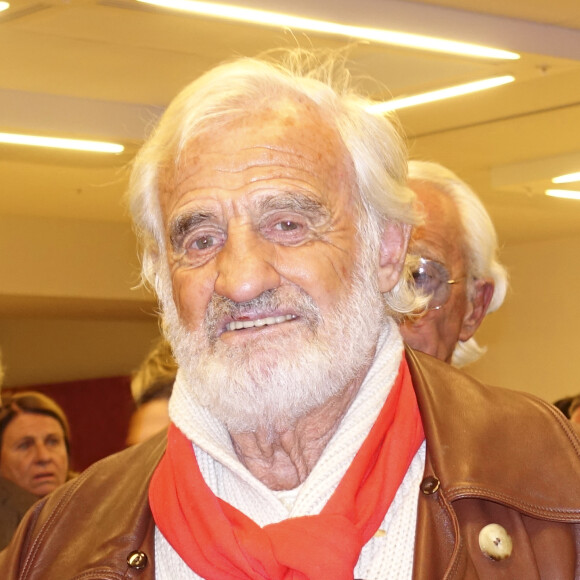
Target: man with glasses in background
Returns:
[[457, 266]]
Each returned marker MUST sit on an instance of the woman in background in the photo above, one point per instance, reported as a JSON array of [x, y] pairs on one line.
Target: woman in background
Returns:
[[34, 453], [34, 442]]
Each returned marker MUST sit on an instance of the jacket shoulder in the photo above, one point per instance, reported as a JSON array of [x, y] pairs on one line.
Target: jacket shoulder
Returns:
[[438, 383], [92, 522], [509, 446]]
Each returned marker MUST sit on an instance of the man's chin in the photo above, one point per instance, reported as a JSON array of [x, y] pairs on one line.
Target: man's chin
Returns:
[[265, 386]]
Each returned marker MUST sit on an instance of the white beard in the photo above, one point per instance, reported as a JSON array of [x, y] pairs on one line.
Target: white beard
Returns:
[[270, 382]]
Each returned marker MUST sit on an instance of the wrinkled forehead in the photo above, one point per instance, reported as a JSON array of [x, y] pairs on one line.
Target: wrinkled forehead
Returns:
[[31, 422], [441, 237], [288, 134]]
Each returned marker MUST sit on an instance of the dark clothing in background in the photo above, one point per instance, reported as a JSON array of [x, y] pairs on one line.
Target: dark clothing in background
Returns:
[[14, 503]]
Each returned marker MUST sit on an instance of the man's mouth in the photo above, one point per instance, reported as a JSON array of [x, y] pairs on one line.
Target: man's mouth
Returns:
[[269, 321]]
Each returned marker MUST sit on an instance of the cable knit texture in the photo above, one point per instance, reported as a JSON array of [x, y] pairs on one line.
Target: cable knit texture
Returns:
[[232, 482]]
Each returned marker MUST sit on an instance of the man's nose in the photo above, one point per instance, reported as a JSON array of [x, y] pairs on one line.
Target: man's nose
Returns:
[[245, 265]]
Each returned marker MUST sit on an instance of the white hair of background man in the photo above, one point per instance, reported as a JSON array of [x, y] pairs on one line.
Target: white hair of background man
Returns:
[[233, 90], [481, 244]]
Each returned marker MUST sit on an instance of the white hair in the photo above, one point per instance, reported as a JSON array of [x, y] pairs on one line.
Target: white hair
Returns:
[[236, 89], [481, 244]]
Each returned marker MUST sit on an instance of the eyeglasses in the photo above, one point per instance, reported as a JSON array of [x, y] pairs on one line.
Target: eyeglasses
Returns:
[[432, 279]]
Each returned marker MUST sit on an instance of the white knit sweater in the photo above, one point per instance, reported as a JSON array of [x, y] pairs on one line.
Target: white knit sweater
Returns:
[[388, 555]]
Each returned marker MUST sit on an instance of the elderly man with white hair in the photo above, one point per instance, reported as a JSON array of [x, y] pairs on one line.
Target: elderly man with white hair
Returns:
[[458, 267], [305, 442]]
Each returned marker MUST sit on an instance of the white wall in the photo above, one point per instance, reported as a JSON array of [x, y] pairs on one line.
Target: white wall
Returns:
[[533, 340], [48, 350], [68, 258], [69, 309]]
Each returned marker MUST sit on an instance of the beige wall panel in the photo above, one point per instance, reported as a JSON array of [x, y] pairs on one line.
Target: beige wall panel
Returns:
[[52, 257], [38, 351], [533, 340]]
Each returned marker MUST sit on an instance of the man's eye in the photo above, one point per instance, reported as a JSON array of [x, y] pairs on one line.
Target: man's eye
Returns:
[[424, 279], [204, 242], [288, 226], [285, 229], [420, 278]]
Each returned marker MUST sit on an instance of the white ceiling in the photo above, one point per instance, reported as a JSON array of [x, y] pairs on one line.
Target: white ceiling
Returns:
[[106, 68]]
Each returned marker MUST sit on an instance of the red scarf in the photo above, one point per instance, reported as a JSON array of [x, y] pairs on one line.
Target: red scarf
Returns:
[[219, 542]]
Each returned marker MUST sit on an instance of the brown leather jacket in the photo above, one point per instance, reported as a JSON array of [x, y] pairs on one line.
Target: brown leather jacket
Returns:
[[493, 457]]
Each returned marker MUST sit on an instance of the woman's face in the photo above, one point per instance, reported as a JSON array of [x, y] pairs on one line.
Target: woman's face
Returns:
[[33, 453]]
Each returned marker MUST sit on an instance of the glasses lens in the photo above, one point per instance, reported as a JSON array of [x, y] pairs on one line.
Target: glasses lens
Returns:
[[431, 279]]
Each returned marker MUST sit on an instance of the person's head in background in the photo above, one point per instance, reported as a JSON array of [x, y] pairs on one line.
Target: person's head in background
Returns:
[[151, 388], [151, 414], [457, 247], [34, 442], [574, 410], [564, 405]]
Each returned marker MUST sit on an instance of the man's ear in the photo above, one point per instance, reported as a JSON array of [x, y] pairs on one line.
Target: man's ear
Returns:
[[477, 308], [392, 254]]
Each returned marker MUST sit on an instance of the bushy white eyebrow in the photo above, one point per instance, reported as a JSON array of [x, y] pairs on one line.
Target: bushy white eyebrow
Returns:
[[293, 201]]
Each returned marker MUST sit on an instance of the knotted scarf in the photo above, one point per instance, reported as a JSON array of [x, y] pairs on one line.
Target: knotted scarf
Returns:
[[217, 541]]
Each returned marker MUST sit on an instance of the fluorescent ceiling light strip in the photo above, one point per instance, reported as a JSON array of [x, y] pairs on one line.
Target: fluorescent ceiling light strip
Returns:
[[568, 178], [254, 16], [4, 6], [439, 95], [565, 193], [56, 143]]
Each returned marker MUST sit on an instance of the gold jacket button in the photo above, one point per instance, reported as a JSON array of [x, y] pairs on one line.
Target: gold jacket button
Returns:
[[495, 542], [137, 560], [430, 485]]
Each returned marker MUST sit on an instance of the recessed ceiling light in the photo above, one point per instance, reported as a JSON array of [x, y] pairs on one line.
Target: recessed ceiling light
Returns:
[[565, 193], [4, 6], [568, 178], [58, 143], [439, 94], [254, 16]]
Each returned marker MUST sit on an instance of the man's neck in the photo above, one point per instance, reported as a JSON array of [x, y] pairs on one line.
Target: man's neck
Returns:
[[283, 459]]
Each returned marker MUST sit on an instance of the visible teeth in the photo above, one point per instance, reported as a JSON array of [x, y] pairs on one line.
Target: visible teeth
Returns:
[[237, 324]]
